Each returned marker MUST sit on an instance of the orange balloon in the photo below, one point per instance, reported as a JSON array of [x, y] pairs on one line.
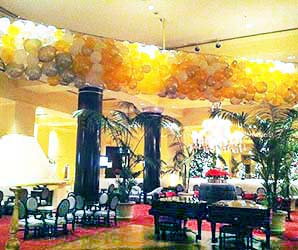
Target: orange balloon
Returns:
[[240, 93], [90, 42], [82, 65], [261, 87]]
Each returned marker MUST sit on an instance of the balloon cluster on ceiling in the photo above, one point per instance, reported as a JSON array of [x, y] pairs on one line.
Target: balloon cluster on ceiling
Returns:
[[57, 56]]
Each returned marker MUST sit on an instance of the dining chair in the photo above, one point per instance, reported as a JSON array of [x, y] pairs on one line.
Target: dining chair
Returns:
[[9, 204], [1, 201], [29, 223], [59, 220], [32, 208], [71, 212], [109, 214], [44, 197]]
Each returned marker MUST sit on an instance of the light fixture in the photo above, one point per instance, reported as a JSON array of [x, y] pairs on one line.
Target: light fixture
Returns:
[[218, 45], [151, 7], [249, 25], [197, 49]]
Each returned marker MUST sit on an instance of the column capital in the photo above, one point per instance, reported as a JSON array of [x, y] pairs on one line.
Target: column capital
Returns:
[[153, 109]]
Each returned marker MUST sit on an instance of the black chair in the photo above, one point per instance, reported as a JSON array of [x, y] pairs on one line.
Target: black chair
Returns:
[[59, 221], [32, 207], [111, 189], [179, 188], [9, 204], [239, 192], [29, 223], [71, 212], [135, 194], [44, 197], [81, 214], [238, 233], [1, 201], [109, 214], [71, 194]]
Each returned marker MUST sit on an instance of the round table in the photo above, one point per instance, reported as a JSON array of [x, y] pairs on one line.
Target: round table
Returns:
[[213, 192]]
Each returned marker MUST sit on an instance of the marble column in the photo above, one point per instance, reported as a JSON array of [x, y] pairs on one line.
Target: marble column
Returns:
[[152, 136], [88, 146]]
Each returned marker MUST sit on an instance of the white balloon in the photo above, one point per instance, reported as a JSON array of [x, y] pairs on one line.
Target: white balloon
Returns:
[[96, 57], [4, 24], [20, 24]]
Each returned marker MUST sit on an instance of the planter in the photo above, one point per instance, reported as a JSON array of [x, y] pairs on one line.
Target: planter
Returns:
[[124, 210], [278, 222]]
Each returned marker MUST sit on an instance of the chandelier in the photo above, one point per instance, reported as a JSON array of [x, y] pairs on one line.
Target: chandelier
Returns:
[[216, 136]]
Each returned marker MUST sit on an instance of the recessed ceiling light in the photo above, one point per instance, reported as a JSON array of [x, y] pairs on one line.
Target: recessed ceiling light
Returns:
[[249, 25], [151, 7]]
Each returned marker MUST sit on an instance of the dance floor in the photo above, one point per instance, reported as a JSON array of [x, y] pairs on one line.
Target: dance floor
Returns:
[[136, 234]]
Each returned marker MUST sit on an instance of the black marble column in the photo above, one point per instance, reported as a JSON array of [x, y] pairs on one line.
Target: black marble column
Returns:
[[88, 146], [152, 132]]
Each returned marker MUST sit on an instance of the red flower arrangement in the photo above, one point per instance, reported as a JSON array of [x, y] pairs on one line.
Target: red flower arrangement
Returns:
[[214, 172]]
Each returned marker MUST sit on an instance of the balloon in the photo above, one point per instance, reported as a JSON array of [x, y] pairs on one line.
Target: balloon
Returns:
[[32, 60], [63, 60], [86, 51], [240, 93], [20, 56], [79, 82], [97, 68], [96, 57], [33, 72], [261, 87], [14, 70], [49, 69], [4, 24], [146, 68], [77, 45], [67, 77], [47, 53], [235, 101], [32, 45]]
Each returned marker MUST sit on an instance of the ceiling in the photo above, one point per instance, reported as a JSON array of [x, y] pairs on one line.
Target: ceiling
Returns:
[[187, 22]]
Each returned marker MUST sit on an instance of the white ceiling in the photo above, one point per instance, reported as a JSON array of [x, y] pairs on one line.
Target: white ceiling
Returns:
[[187, 21]]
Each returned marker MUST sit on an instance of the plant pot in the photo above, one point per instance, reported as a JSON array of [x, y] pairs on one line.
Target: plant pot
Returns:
[[278, 222], [124, 210]]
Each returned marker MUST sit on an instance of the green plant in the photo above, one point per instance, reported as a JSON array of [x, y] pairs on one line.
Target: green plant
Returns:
[[270, 129], [189, 161], [125, 127], [235, 166]]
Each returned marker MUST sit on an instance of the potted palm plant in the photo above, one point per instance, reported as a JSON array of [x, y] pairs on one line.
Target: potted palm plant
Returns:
[[270, 129]]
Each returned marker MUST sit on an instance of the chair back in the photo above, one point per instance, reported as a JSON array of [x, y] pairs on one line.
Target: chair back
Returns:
[[71, 194], [23, 195], [135, 190], [111, 188], [22, 211], [72, 203], [1, 197], [80, 202], [114, 203], [63, 208], [140, 185], [103, 199], [261, 191], [239, 191], [196, 187], [31, 204], [179, 188], [45, 194]]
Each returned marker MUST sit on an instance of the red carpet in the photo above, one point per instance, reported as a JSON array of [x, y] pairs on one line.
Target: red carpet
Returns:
[[141, 217]]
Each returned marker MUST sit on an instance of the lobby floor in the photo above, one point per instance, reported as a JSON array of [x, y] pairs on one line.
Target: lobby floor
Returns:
[[139, 237]]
